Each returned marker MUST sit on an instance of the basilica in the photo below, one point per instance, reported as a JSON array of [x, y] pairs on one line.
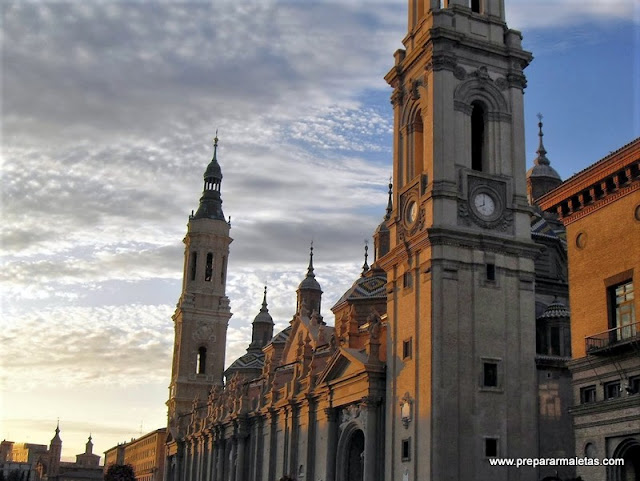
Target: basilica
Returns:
[[451, 347]]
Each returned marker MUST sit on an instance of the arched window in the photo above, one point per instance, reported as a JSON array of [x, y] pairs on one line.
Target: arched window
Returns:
[[418, 146], [208, 271], [477, 136], [201, 361], [223, 269], [192, 266]]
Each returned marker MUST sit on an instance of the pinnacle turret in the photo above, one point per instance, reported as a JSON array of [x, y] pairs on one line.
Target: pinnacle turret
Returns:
[[211, 201]]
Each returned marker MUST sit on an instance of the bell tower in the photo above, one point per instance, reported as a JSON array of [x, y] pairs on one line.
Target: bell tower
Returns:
[[460, 268], [202, 314]]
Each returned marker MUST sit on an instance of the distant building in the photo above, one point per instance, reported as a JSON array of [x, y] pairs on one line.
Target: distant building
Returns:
[[114, 455], [44, 464], [600, 207], [145, 455]]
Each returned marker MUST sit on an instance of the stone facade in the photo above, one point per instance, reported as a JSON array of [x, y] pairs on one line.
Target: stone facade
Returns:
[[600, 208], [450, 349]]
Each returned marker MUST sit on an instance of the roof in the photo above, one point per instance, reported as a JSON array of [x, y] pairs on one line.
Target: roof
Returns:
[[369, 287], [555, 310], [251, 360], [595, 173]]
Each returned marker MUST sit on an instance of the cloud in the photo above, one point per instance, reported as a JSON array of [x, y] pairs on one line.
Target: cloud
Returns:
[[124, 345]]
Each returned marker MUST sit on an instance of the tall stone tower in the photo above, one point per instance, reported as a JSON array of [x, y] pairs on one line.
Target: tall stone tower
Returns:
[[460, 268], [202, 314], [55, 453]]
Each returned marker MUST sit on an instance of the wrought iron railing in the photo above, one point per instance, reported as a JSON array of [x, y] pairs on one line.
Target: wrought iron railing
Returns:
[[612, 337]]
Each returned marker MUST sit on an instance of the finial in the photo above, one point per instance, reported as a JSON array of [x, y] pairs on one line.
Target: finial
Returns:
[[389, 203], [264, 299], [310, 268], [215, 145], [365, 266], [542, 152]]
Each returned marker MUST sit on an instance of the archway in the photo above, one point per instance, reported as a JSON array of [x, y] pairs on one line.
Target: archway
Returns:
[[355, 457], [350, 454], [629, 450]]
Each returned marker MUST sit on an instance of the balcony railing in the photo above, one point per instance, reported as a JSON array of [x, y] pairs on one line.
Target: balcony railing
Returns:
[[613, 338]]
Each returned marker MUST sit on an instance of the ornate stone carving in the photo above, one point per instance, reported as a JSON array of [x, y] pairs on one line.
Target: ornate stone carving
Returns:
[[459, 72], [204, 332], [502, 83]]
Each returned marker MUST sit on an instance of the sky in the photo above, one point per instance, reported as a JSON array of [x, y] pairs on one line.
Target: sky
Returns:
[[109, 109]]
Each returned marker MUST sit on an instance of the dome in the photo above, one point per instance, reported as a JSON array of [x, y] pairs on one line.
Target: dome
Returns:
[[213, 170], [309, 282], [555, 310], [263, 316]]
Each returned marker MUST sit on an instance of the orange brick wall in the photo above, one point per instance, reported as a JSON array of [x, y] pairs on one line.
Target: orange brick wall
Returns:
[[612, 247]]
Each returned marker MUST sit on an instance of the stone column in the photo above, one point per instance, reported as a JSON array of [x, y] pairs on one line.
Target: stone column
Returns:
[[199, 457], [332, 442], [233, 458], [370, 406], [240, 468], [190, 460], [273, 448], [209, 459], [293, 443], [220, 460]]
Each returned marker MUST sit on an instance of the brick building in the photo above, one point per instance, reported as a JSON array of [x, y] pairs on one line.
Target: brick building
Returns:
[[144, 454], [600, 207]]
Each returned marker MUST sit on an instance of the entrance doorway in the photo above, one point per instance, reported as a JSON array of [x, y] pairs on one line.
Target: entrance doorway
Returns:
[[355, 457]]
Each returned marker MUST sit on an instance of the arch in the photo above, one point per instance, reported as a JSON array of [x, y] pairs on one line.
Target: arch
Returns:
[[410, 142], [478, 135], [629, 450], [480, 88], [350, 453], [201, 361], [208, 270]]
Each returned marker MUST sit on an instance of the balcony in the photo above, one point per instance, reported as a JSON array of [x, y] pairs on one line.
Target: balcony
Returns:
[[614, 340]]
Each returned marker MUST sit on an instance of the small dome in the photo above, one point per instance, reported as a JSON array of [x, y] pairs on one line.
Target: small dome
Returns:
[[309, 282], [382, 227], [543, 170], [263, 316], [555, 310], [213, 170]]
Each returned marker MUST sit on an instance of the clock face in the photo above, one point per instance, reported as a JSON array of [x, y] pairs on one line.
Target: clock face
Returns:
[[484, 204], [412, 212]]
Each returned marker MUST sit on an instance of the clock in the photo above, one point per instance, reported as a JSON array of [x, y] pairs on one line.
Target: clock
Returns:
[[484, 204], [412, 212]]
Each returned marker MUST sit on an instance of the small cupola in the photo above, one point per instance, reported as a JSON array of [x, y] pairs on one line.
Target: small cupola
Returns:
[[262, 330], [541, 178], [211, 201], [309, 290]]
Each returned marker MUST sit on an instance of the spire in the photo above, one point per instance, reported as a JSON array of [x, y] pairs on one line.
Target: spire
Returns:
[[56, 439], [365, 266], [542, 152], [262, 330], [310, 268], [309, 282], [264, 307], [211, 202], [215, 147], [387, 216]]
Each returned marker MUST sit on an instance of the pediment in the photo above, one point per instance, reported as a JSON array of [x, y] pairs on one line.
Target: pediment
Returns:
[[344, 363]]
